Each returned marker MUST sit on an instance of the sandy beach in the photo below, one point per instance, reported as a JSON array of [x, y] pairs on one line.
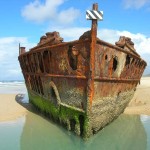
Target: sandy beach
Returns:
[[10, 109], [140, 103]]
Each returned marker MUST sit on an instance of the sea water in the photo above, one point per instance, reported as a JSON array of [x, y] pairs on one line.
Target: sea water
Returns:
[[12, 87], [35, 132]]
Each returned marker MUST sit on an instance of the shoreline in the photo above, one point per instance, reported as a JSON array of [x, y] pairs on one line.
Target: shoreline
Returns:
[[12, 107]]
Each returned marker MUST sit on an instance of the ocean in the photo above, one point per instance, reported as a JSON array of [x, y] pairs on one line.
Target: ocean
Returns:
[[12, 87], [35, 132]]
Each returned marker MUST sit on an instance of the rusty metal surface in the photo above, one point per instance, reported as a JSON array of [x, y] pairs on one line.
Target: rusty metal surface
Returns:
[[111, 63], [53, 63], [121, 68], [93, 38]]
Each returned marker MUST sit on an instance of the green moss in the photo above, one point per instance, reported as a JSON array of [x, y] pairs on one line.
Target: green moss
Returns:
[[43, 104], [86, 128], [70, 113], [63, 112]]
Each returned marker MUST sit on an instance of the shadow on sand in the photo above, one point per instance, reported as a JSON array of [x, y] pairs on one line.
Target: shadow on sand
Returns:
[[23, 101]]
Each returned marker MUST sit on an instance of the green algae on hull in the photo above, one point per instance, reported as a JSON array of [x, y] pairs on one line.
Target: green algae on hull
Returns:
[[72, 118]]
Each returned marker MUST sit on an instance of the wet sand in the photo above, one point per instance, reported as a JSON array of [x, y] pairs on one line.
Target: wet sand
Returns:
[[140, 104], [10, 108]]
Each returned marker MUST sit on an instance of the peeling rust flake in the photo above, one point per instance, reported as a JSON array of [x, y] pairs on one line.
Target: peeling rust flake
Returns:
[[84, 84]]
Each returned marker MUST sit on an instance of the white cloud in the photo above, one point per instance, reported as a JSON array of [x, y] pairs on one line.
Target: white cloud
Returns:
[[39, 12], [69, 34], [9, 51], [135, 3], [14, 71], [67, 16]]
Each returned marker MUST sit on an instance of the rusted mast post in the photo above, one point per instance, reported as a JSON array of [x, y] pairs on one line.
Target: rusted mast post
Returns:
[[90, 84], [92, 59]]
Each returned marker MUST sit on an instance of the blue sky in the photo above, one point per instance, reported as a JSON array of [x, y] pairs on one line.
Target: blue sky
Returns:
[[25, 21]]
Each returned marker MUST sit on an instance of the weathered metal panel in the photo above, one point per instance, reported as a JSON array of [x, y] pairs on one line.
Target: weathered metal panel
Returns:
[[112, 63]]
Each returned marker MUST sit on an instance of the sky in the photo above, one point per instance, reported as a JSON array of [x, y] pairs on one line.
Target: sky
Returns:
[[25, 21]]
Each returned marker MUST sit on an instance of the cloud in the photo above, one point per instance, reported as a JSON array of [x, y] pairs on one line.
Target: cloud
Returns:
[[67, 16], [39, 12], [136, 4], [69, 34], [9, 51]]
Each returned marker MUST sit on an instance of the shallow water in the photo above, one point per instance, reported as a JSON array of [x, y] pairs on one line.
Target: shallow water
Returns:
[[33, 132]]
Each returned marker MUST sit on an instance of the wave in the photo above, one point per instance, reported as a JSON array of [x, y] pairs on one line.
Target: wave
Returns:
[[12, 87], [12, 83]]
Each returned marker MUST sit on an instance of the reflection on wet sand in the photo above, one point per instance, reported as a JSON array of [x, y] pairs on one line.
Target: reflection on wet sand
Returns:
[[125, 133], [41, 134]]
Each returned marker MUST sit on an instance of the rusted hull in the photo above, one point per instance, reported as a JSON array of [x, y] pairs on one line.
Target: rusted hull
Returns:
[[84, 92], [106, 109]]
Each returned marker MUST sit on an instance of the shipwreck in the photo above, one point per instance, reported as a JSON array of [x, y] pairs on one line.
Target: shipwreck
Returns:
[[84, 84]]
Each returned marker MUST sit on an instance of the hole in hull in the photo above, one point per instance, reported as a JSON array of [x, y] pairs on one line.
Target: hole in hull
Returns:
[[115, 64], [81, 120]]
